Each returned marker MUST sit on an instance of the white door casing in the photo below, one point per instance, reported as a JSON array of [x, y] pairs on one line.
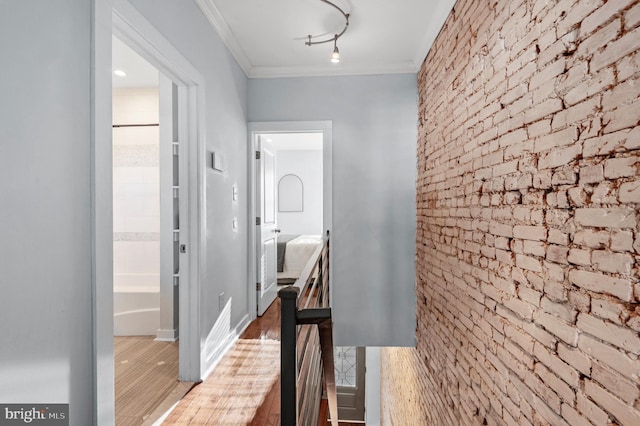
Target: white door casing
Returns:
[[266, 224], [133, 29]]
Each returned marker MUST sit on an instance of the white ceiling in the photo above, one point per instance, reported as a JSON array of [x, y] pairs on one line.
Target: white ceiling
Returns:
[[267, 37], [140, 73]]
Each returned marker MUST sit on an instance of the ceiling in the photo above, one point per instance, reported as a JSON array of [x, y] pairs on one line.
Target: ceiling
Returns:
[[140, 73], [267, 38]]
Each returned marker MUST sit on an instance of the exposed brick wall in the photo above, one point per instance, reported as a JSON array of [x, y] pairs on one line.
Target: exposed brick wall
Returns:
[[528, 243]]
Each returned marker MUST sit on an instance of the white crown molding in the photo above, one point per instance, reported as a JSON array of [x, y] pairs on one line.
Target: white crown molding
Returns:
[[218, 22], [331, 70], [436, 22]]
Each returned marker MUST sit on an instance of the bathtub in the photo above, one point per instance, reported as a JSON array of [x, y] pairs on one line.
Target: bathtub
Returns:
[[136, 308]]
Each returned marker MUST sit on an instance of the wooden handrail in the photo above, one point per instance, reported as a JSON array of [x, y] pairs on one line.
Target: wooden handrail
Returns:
[[306, 356]]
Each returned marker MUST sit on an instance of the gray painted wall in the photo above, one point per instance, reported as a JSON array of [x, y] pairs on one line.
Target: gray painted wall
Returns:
[[45, 205], [373, 236], [186, 28], [46, 198]]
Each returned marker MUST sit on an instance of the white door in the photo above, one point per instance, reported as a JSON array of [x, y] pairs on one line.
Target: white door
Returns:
[[266, 224], [350, 375]]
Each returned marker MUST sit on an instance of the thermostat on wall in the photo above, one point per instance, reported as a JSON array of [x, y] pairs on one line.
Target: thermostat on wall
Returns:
[[217, 161]]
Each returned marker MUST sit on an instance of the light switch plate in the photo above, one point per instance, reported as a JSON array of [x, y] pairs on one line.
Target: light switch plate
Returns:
[[217, 161]]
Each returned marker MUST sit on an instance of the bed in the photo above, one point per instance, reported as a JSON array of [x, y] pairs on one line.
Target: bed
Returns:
[[294, 252]]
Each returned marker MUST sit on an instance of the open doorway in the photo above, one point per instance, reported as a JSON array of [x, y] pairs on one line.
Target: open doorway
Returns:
[[145, 230], [290, 197], [291, 176]]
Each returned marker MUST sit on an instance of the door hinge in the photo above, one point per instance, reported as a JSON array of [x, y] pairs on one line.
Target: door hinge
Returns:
[[257, 221], [258, 287], [257, 155]]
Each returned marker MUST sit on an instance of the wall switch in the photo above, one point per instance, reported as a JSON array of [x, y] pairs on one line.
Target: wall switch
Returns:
[[235, 193], [235, 223], [217, 161]]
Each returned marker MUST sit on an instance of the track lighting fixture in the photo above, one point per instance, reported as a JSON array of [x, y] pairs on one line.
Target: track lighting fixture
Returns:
[[335, 56]]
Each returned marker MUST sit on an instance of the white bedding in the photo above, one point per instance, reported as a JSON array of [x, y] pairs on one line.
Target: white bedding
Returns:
[[298, 252]]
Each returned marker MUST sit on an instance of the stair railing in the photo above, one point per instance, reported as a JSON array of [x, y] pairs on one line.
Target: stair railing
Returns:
[[307, 356]]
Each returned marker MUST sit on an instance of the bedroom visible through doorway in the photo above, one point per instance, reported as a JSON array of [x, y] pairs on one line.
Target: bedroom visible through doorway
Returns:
[[290, 208], [299, 200]]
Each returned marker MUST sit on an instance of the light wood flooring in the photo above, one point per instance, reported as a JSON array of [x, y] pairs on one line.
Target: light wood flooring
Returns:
[[146, 379], [135, 397]]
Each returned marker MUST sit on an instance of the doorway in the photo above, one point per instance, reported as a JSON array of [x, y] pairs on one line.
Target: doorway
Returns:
[[146, 268], [124, 21], [290, 171]]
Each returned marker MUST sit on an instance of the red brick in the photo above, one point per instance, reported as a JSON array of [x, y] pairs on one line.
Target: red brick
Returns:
[[612, 262], [620, 167], [560, 157], [610, 218], [601, 283], [629, 192], [622, 141], [591, 410], [527, 209], [563, 331], [618, 336], [622, 387], [632, 17], [625, 414], [575, 358], [604, 14], [616, 50], [607, 354]]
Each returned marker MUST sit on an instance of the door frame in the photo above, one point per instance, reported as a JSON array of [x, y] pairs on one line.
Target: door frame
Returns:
[[138, 33], [266, 127], [120, 18]]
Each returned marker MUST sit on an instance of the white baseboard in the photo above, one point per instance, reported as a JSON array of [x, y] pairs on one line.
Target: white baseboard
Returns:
[[166, 335], [217, 355], [242, 325]]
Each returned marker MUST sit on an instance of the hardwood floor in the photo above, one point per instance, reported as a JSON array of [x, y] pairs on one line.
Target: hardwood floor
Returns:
[[236, 388], [267, 327], [197, 406], [146, 379]]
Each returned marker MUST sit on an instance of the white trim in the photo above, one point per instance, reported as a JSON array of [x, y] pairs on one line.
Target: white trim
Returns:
[[218, 22], [254, 128], [102, 215], [232, 338], [170, 335], [132, 28]]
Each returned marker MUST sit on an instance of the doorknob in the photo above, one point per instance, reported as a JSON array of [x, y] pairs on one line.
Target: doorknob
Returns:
[[277, 231]]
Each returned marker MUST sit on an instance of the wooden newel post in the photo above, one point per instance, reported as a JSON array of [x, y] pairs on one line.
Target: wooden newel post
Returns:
[[288, 363]]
